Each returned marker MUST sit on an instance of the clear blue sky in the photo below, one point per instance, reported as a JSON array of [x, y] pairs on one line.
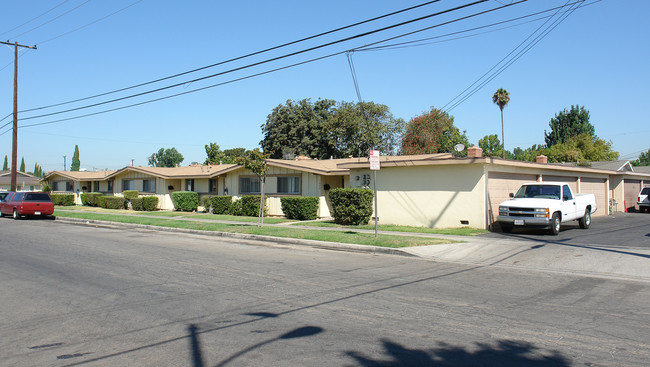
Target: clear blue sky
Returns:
[[597, 57]]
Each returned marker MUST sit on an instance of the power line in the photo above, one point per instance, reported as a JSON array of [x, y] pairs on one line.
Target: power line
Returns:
[[91, 23], [360, 35], [462, 97], [247, 77], [53, 19], [33, 19], [238, 58], [422, 41]]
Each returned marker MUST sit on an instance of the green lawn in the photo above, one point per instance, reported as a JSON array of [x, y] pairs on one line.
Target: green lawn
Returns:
[[285, 232], [464, 231]]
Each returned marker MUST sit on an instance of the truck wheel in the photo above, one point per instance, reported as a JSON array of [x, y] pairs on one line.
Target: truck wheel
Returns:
[[15, 215], [585, 221], [556, 223]]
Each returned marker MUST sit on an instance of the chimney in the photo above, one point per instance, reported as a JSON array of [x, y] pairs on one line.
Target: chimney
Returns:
[[541, 159], [474, 152]]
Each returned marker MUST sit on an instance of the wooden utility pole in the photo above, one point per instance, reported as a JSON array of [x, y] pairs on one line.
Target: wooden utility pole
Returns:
[[14, 147]]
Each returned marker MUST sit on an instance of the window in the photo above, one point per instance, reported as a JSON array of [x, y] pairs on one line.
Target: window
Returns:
[[148, 186], [189, 184], [69, 186], [289, 185], [212, 185], [128, 185], [567, 193], [96, 186], [110, 186], [249, 185]]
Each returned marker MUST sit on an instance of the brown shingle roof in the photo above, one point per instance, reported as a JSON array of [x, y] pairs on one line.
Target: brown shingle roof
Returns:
[[181, 172], [81, 175]]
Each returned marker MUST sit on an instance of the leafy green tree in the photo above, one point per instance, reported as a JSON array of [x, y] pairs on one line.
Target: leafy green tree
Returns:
[[491, 146], [22, 165], [568, 124], [256, 162], [581, 148], [501, 98], [432, 132], [296, 127], [166, 158], [528, 154], [76, 163], [356, 128], [5, 166], [326, 129], [216, 155], [643, 160]]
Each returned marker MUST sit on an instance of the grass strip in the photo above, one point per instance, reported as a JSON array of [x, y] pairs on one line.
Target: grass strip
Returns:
[[284, 232], [464, 231]]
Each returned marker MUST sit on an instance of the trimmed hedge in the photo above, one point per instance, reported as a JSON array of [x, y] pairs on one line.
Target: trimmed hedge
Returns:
[[114, 202], [82, 196], [300, 207], [92, 199], [351, 206], [136, 204], [221, 204], [246, 206], [63, 199], [150, 203], [130, 194], [185, 201]]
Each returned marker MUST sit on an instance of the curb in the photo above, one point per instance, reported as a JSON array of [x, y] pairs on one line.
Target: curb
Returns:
[[269, 240]]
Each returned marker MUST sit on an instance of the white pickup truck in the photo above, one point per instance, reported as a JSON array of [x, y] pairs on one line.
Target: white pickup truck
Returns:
[[546, 204]]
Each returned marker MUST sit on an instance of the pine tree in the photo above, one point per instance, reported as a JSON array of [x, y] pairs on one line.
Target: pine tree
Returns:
[[22, 165], [5, 166], [76, 163]]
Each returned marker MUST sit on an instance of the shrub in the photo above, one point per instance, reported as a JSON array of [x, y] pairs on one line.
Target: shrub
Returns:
[[247, 206], [150, 203], [136, 204], [130, 194], [114, 202], [206, 203], [300, 207], [351, 206], [63, 199], [82, 196], [91, 199], [186, 201], [221, 204]]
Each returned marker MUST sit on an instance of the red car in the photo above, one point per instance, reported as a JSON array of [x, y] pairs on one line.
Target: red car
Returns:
[[18, 204]]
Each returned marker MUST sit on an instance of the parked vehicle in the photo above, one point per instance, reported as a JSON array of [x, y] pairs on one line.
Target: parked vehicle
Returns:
[[19, 204], [546, 205], [643, 200]]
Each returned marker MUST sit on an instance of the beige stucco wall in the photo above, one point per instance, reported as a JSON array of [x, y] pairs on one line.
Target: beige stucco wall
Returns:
[[428, 196]]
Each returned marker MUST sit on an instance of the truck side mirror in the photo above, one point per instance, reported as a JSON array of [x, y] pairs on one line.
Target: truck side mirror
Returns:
[[511, 195]]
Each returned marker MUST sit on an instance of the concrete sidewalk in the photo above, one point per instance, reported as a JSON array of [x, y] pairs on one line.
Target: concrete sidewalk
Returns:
[[533, 255]]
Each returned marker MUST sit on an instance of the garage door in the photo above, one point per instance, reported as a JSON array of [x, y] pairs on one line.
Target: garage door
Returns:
[[598, 187], [572, 181], [632, 189], [500, 185]]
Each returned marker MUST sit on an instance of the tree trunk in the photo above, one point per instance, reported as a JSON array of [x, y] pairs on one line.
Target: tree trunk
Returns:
[[503, 139], [260, 222]]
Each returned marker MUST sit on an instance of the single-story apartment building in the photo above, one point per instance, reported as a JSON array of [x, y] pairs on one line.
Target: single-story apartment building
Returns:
[[24, 181], [431, 190], [441, 191]]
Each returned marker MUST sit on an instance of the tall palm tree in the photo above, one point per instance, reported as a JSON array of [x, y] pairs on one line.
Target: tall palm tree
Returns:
[[501, 97]]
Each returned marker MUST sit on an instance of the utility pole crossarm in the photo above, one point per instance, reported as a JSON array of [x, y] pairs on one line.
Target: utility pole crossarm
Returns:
[[15, 44]]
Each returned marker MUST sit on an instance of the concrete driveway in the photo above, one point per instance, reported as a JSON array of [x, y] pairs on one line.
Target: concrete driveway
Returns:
[[625, 230]]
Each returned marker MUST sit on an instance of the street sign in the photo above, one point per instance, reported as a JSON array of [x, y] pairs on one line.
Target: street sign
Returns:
[[374, 160]]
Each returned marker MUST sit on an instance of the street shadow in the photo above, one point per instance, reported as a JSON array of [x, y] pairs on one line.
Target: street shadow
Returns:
[[504, 353]]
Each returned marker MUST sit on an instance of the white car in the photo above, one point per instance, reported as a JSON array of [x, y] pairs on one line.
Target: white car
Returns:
[[643, 200]]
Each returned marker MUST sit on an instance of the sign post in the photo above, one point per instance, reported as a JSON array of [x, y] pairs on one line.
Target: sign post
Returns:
[[374, 167]]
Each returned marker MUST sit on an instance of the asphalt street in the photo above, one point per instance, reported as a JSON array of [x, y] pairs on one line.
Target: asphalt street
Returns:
[[76, 296]]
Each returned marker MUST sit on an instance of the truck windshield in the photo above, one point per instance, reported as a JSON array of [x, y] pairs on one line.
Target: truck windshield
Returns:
[[538, 191]]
